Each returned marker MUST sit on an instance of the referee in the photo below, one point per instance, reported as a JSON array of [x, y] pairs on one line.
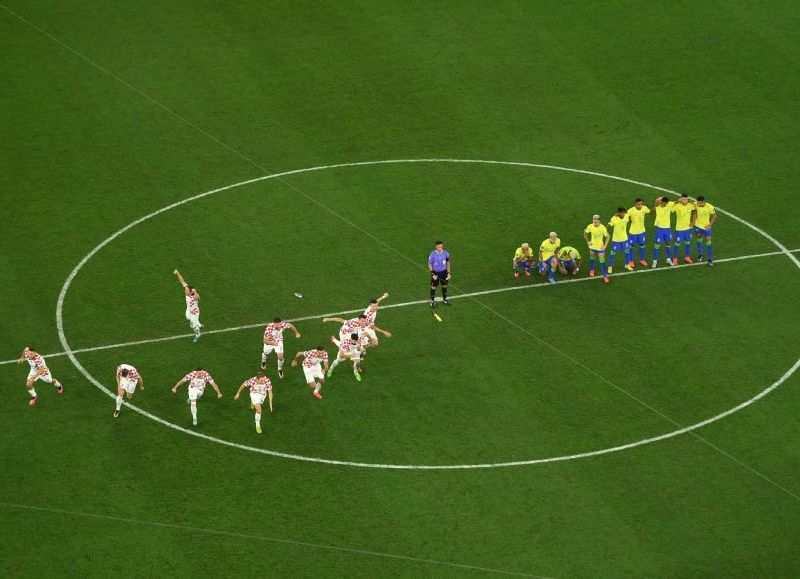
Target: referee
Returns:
[[439, 266]]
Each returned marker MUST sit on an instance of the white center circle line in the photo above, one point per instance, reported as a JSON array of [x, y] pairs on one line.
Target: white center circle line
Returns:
[[71, 355]]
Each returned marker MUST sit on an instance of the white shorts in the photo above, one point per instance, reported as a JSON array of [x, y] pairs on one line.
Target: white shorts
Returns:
[[194, 319], [257, 398], [313, 374], [269, 349], [128, 385], [46, 377], [351, 354], [373, 337], [195, 393]]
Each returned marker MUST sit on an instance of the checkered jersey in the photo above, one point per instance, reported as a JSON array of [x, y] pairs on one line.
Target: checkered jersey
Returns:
[[350, 327], [314, 358], [37, 362], [371, 314], [193, 304], [274, 331], [198, 379], [132, 376], [257, 387]]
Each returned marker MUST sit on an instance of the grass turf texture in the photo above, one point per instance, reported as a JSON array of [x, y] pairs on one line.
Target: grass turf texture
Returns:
[[696, 99]]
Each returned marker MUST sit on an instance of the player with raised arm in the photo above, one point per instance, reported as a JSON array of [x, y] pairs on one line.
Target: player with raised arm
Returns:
[[548, 262], [314, 373], [352, 326], [260, 388], [38, 371], [684, 225], [569, 260], [192, 306], [636, 233], [619, 239], [523, 259], [273, 341], [350, 348], [127, 380], [197, 380], [439, 266], [596, 236], [705, 218], [371, 313], [664, 209]]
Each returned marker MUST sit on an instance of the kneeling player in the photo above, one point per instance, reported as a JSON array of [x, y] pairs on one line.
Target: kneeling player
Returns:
[[315, 375], [260, 388], [197, 385], [127, 380], [569, 260], [350, 348], [38, 371], [523, 260]]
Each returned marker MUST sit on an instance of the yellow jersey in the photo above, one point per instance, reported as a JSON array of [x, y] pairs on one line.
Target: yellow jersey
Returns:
[[568, 253], [523, 254], [664, 215], [597, 235], [704, 214], [549, 248], [637, 219], [683, 216], [620, 226]]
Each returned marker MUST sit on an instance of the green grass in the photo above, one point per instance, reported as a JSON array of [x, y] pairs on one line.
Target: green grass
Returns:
[[687, 96]]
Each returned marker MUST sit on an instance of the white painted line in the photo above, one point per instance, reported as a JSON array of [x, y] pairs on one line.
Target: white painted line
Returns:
[[401, 305], [102, 388]]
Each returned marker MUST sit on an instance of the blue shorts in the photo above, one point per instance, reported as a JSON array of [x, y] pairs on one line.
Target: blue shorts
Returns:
[[525, 265], [684, 236], [663, 235], [548, 263], [620, 246], [702, 232], [567, 262], [596, 251], [636, 238]]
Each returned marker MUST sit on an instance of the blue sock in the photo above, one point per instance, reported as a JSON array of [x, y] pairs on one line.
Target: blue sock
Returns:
[[641, 252], [552, 274], [700, 248], [687, 248], [603, 265], [591, 263], [630, 254], [656, 251], [710, 251], [668, 249], [611, 258]]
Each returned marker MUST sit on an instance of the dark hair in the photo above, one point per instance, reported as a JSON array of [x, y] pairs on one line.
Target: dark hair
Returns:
[[664, 199], [620, 210], [354, 336], [276, 320], [439, 242], [373, 301], [362, 317], [124, 372], [320, 348], [637, 200], [684, 195], [259, 374], [189, 287], [198, 369], [701, 198]]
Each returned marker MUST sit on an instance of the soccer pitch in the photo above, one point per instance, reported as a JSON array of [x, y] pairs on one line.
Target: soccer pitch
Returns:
[[273, 150]]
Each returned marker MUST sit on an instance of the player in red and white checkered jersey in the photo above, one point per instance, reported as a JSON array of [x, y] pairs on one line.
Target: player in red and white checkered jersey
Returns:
[[127, 380], [38, 371], [192, 306], [260, 387], [197, 380], [354, 325], [350, 348], [273, 340], [315, 364], [371, 313]]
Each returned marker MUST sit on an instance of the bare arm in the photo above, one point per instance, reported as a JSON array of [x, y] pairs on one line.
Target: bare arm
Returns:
[[216, 388], [337, 320], [587, 239], [383, 297], [381, 331], [141, 382], [178, 383], [182, 281], [269, 395], [239, 391], [607, 238], [712, 220], [294, 360], [22, 356], [296, 333]]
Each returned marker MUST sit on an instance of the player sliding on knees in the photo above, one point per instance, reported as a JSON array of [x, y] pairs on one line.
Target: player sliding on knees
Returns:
[[371, 314], [260, 388], [38, 371], [350, 348], [315, 375], [548, 262], [127, 380], [197, 385], [273, 340], [192, 306]]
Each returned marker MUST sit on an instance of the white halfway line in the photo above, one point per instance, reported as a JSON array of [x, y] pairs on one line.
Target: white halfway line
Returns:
[[402, 305]]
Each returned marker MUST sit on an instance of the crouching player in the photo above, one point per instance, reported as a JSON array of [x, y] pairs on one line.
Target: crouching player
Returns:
[[38, 371], [350, 348], [704, 221], [569, 260], [260, 388], [548, 262], [523, 260], [314, 373], [127, 380], [197, 386]]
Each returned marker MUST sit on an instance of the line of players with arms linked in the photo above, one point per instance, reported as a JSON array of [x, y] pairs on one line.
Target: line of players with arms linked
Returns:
[[628, 235], [356, 336]]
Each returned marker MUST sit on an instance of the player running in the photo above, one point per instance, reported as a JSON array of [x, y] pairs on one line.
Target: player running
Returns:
[[273, 341], [548, 262], [38, 371], [350, 348], [704, 220], [569, 260], [260, 388], [192, 306], [684, 224], [127, 380], [636, 233], [596, 236], [619, 239], [197, 385], [439, 266], [352, 326], [314, 373], [371, 313], [664, 210], [523, 259]]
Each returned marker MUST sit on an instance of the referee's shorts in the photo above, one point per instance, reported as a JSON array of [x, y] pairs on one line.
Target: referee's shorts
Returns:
[[441, 278]]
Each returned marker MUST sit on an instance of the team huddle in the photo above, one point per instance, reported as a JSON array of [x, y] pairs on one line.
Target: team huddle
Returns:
[[628, 237]]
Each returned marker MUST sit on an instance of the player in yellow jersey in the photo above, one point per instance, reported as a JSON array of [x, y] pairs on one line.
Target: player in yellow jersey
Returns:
[[524, 259], [636, 233], [569, 260], [684, 223], [548, 262], [619, 239], [596, 236], [705, 217], [664, 209]]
